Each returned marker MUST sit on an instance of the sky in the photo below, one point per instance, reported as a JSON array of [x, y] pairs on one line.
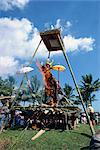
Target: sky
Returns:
[[79, 21]]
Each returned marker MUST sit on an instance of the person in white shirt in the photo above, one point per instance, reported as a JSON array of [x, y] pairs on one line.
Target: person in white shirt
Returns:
[[91, 114]]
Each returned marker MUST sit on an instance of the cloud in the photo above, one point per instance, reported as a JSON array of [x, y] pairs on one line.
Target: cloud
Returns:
[[68, 24], [58, 23], [8, 65], [62, 24], [10, 4], [73, 44], [19, 39], [14, 36]]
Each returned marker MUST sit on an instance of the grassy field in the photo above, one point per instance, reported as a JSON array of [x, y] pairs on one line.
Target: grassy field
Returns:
[[50, 140]]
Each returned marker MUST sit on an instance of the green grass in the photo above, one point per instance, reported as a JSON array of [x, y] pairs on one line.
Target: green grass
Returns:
[[50, 140]]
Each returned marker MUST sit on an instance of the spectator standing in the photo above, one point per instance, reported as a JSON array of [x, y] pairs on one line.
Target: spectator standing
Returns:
[[96, 118], [83, 118], [91, 114]]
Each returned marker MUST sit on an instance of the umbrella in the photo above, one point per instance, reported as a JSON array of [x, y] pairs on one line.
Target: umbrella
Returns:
[[58, 68], [25, 70]]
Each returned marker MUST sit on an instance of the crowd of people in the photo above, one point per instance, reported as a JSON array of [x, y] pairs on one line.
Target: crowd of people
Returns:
[[37, 118], [45, 118]]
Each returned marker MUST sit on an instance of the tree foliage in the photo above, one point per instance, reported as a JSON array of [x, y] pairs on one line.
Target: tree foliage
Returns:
[[68, 90], [30, 91], [88, 87], [35, 84], [7, 86]]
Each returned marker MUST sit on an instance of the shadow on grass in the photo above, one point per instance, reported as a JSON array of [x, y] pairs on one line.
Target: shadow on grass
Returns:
[[85, 148], [87, 135], [84, 134]]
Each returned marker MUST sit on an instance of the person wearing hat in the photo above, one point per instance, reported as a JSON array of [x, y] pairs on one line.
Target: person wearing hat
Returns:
[[91, 114], [49, 81]]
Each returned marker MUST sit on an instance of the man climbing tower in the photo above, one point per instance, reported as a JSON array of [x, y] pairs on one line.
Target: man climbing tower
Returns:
[[51, 85]]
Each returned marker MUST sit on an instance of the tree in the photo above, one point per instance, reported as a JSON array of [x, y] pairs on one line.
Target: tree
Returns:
[[30, 91], [35, 84], [88, 87], [68, 90], [7, 86], [24, 93], [68, 97]]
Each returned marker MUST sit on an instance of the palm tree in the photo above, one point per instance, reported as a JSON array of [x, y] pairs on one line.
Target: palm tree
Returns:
[[88, 87], [68, 95], [30, 91], [68, 90], [7, 86], [35, 85], [24, 94]]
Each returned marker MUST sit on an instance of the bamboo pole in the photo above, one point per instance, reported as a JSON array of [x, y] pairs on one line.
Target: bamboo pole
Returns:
[[25, 75], [34, 53], [76, 85]]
